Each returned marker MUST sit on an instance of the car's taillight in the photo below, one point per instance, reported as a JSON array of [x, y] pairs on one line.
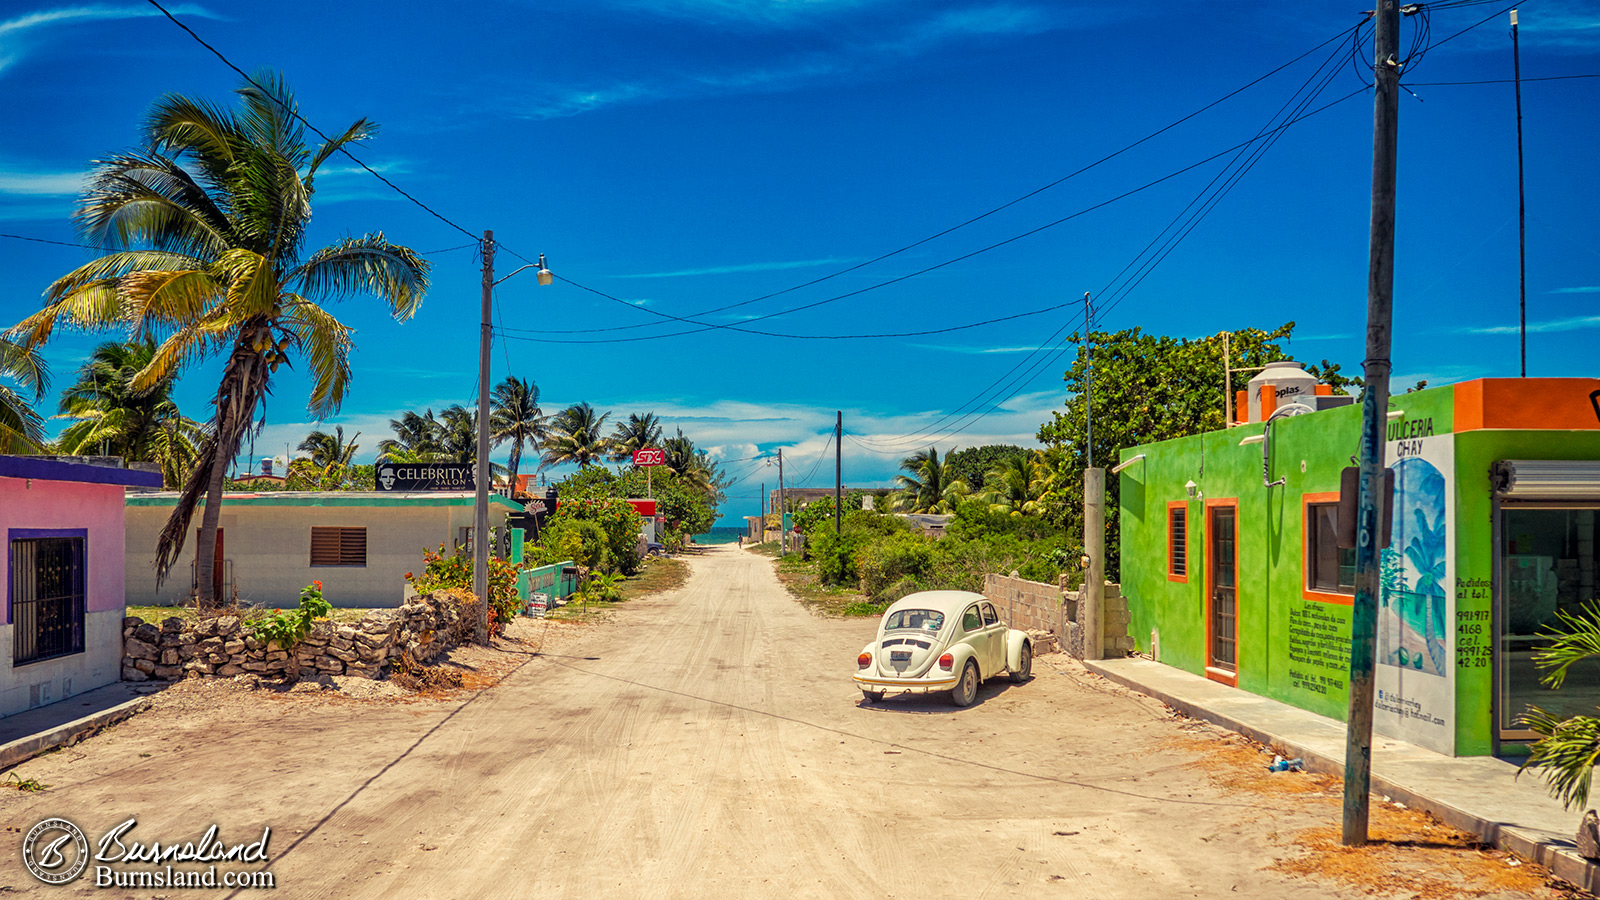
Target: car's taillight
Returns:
[[864, 660], [947, 661]]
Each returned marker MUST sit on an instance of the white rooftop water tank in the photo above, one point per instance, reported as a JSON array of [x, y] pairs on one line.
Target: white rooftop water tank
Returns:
[[1289, 384]]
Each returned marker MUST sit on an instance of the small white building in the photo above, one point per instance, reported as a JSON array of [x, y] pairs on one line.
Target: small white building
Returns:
[[270, 545], [63, 578]]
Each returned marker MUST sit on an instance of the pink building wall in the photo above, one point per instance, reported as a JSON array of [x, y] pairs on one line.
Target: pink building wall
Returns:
[[37, 503]]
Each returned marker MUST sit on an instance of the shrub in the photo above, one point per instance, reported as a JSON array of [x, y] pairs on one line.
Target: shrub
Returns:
[[886, 562], [442, 572], [290, 628], [618, 522]]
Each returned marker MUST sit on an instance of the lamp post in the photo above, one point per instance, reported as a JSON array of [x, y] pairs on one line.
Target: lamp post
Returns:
[[485, 471]]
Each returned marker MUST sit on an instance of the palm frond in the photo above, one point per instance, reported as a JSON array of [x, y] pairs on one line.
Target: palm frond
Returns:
[[368, 264], [1565, 753], [326, 344], [1576, 641]]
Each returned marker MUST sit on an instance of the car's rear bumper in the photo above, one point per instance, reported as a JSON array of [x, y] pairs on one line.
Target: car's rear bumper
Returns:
[[925, 683]]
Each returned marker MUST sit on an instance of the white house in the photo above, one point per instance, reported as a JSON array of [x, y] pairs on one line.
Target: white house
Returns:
[[270, 545]]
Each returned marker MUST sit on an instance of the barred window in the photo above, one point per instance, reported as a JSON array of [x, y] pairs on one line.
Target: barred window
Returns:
[[1178, 541], [334, 546]]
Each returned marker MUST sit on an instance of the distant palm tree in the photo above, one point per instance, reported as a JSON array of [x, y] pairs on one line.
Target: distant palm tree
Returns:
[[458, 435], [417, 438], [331, 455], [517, 418], [1013, 485], [112, 417], [928, 488], [21, 429], [690, 463], [210, 218], [638, 433], [577, 435]]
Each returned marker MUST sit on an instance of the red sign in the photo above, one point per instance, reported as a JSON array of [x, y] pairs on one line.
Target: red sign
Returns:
[[646, 508], [649, 457]]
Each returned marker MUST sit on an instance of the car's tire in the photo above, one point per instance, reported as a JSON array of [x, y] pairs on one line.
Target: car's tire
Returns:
[[872, 696], [1024, 668], [965, 693]]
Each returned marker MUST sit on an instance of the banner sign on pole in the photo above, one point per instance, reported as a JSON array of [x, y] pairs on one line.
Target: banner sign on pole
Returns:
[[407, 477]]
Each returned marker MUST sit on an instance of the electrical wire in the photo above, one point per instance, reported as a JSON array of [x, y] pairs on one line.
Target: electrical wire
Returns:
[[304, 121], [1500, 80], [37, 240]]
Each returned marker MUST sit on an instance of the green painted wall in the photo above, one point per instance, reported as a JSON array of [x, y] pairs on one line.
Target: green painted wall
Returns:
[[1290, 648], [1475, 452]]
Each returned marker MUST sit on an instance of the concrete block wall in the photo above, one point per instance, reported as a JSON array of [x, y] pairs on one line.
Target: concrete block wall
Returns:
[[1114, 618], [1028, 605]]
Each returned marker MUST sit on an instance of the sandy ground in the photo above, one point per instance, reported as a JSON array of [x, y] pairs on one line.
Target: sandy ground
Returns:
[[706, 743]]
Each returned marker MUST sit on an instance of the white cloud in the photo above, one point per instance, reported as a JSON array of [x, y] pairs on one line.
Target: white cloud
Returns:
[[949, 348], [41, 184], [1579, 289], [1575, 323], [18, 35]]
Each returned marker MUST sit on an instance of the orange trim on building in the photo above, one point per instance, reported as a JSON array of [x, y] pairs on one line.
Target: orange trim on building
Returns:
[[1172, 576], [1306, 550], [1231, 679], [1559, 404]]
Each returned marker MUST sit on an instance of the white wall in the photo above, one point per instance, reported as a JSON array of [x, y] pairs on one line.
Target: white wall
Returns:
[[270, 548]]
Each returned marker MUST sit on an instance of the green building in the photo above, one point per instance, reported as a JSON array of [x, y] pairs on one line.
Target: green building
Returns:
[[1232, 569]]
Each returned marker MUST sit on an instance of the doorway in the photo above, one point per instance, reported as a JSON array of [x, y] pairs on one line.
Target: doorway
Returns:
[[1545, 564], [1222, 592]]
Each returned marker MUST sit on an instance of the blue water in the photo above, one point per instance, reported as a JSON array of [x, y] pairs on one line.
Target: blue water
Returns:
[[720, 534]]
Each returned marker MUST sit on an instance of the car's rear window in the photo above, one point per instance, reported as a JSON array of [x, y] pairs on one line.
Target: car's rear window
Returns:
[[919, 619]]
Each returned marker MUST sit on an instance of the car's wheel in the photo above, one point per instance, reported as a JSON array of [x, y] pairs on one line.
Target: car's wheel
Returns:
[[872, 696], [965, 693], [1024, 665]]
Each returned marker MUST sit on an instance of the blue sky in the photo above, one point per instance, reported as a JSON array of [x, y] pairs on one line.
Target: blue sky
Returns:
[[684, 155]]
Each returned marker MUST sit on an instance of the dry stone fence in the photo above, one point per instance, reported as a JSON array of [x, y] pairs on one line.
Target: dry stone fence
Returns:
[[1054, 611], [222, 646]]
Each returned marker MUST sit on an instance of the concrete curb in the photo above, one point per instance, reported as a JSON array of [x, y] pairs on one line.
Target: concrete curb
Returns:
[[24, 749], [1555, 852]]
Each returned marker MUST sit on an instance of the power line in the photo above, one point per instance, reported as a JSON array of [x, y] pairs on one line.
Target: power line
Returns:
[[302, 119], [1499, 80], [23, 237], [974, 219]]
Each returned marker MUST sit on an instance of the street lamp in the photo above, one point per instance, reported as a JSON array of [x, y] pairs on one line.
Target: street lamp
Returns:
[[480, 543]]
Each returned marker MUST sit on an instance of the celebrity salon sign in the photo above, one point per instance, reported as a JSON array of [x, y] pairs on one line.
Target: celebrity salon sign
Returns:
[[407, 477], [58, 852]]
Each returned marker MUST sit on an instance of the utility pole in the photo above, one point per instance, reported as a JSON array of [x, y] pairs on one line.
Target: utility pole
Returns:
[[1522, 211], [1227, 379], [1094, 508], [838, 470], [1374, 409], [783, 511], [480, 532]]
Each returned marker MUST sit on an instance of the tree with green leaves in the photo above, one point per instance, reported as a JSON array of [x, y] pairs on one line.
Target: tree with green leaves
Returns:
[[1567, 748], [515, 418], [927, 486], [973, 464], [209, 218], [328, 468], [417, 438], [111, 417], [1147, 388], [577, 435], [638, 433], [1013, 485], [21, 428]]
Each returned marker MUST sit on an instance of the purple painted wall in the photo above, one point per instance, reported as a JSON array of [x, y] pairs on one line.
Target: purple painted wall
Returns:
[[72, 505]]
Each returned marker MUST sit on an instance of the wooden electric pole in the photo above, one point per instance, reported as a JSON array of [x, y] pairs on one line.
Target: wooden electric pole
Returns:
[[1374, 410], [480, 529], [783, 511]]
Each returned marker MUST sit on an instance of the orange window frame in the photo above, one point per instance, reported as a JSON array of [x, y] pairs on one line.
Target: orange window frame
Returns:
[[1231, 679], [1306, 551], [1183, 577]]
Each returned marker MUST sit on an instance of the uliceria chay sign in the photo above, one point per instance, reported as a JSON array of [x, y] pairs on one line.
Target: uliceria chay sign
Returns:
[[1239, 578]]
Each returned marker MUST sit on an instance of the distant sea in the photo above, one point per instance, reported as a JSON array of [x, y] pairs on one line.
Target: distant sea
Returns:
[[721, 534]]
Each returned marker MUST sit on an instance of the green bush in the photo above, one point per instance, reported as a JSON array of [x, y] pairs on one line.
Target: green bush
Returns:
[[902, 561]]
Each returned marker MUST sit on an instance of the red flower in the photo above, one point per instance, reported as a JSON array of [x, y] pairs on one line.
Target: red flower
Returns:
[[318, 584], [408, 576]]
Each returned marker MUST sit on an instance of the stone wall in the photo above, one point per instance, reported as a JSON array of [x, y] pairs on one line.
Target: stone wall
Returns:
[[1028, 605], [1114, 619], [222, 646]]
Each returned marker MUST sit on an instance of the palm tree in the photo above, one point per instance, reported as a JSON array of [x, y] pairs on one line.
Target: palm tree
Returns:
[[21, 429], [210, 216], [690, 463], [458, 435], [1012, 486], [638, 433], [928, 488], [1568, 748], [111, 417], [417, 438], [577, 435], [516, 417], [330, 458]]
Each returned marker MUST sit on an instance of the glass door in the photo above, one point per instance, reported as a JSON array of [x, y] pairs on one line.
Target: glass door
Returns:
[[1547, 564], [1223, 587]]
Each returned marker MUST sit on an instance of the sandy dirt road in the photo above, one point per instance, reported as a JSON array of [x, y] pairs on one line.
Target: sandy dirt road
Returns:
[[715, 747]]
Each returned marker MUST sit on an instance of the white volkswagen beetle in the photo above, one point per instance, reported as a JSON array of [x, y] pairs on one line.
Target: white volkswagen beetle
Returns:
[[941, 641]]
